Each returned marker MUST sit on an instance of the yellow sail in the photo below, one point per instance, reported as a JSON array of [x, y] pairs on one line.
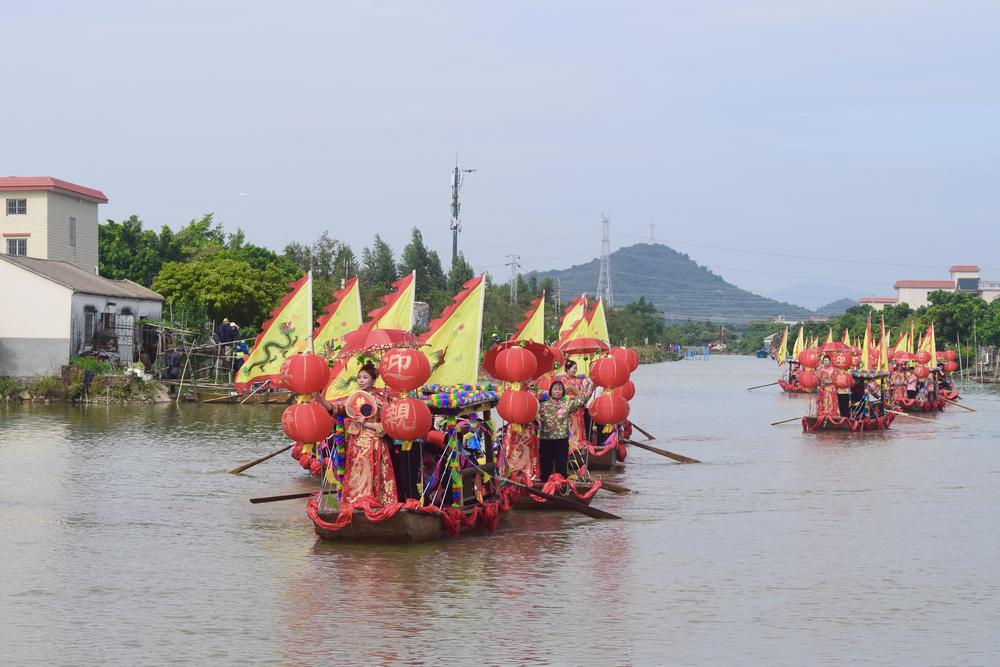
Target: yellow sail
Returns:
[[598, 323], [866, 346], [532, 327], [847, 336], [342, 316], [575, 312], [883, 348], [287, 332], [453, 340], [782, 348], [799, 343], [829, 335]]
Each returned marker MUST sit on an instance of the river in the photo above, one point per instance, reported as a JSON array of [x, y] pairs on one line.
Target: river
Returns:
[[122, 540]]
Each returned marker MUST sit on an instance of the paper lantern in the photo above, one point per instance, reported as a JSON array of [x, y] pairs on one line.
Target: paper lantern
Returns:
[[306, 422], [304, 373], [808, 379], [516, 364], [626, 391], [842, 380], [609, 409], [404, 369], [841, 360], [950, 366], [628, 355], [921, 372], [609, 372], [809, 357], [518, 406], [950, 355], [406, 419], [923, 356]]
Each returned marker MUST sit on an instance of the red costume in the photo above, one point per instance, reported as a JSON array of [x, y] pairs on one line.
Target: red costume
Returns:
[[826, 402], [368, 469], [578, 436]]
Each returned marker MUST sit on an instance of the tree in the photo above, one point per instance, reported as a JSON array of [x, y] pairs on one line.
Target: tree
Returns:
[[378, 267], [461, 272], [128, 251], [427, 265]]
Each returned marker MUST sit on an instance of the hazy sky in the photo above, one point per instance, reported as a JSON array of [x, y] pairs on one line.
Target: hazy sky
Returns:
[[860, 130]]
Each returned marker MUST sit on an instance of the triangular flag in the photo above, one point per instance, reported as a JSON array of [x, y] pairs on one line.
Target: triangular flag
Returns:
[[396, 311], [782, 348], [597, 322], [293, 320], [866, 347], [454, 338], [532, 327], [799, 344], [846, 340], [342, 316], [829, 335], [575, 311]]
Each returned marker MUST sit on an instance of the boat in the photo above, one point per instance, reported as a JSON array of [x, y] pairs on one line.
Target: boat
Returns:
[[793, 387], [826, 423], [607, 457], [556, 485], [274, 397], [935, 404]]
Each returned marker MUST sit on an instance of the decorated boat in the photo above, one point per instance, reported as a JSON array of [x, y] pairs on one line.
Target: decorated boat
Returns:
[[855, 425]]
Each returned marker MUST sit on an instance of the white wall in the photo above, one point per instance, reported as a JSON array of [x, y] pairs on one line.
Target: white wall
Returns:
[[35, 222], [32, 306], [61, 208]]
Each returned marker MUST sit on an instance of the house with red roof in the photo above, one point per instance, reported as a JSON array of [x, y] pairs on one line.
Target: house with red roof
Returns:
[[963, 278], [49, 218]]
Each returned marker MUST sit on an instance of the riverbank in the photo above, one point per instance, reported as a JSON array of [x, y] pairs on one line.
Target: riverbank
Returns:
[[651, 354], [101, 389]]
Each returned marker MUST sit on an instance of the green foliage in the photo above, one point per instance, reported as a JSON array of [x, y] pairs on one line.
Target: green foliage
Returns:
[[427, 265], [10, 387], [46, 386], [92, 364], [378, 266], [460, 273]]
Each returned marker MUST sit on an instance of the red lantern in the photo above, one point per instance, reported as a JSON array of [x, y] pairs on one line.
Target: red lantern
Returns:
[[406, 419], [609, 372], [306, 422], [950, 355], [950, 366], [923, 356], [809, 357], [842, 380], [627, 355], [609, 409], [856, 360], [404, 369], [518, 406], [626, 391], [841, 360], [808, 379], [921, 372], [516, 364], [304, 373]]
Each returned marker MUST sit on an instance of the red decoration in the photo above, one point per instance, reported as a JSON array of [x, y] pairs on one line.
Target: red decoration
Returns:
[[609, 372], [560, 358], [808, 379], [626, 391], [921, 372], [315, 466], [842, 380], [627, 355], [950, 355], [518, 406], [950, 366], [404, 368], [841, 359], [304, 373], [890, 354], [809, 357], [609, 409], [923, 356], [856, 360], [516, 364], [406, 419], [306, 422]]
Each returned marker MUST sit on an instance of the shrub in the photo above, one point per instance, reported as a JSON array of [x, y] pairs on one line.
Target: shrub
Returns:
[[10, 387], [47, 386]]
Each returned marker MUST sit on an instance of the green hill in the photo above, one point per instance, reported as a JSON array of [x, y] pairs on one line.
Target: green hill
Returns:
[[838, 307], [679, 287]]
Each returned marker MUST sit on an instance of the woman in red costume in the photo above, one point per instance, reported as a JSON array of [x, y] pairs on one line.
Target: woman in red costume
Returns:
[[575, 387], [826, 402], [368, 468], [898, 383]]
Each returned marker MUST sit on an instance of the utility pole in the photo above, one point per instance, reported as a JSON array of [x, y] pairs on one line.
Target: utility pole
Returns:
[[604, 279], [457, 178], [514, 266], [558, 295]]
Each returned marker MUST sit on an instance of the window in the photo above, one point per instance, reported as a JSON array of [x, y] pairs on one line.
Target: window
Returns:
[[17, 247], [17, 207], [72, 232], [89, 317]]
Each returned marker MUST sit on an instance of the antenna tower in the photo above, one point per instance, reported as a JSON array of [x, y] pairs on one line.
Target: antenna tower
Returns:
[[514, 266], [652, 233], [457, 178], [604, 279]]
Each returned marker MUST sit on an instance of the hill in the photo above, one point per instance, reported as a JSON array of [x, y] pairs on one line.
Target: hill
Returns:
[[678, 286], [838, 307]]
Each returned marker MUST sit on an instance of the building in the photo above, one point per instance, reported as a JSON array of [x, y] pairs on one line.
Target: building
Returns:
[[963, 278], [49, 218], [52, 311]]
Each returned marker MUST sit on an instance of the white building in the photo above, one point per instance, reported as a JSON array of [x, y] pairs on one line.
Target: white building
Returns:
[[964, 278], [51, 311], [878, 302], [49, 218]]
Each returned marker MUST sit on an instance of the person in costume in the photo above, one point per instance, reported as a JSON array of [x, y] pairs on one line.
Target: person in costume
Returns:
[[579, 425], [898, 383], [368, 471], [554, 416], [826, 403]]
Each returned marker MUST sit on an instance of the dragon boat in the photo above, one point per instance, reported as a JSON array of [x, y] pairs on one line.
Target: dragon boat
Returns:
[[854, 425], [557, 485], [793, 387], [936, 404]]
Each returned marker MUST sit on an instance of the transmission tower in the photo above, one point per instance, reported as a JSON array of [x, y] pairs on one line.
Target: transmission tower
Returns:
[[457, 178], [558, 295], [652, 233], [604, 279], [514, 266]]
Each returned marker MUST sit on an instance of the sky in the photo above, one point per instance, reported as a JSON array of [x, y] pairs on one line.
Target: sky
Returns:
[[797, 148]]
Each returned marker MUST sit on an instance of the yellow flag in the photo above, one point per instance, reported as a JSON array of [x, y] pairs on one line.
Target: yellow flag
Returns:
[[782, 348], [598, 323], [929, 345], [866, 347], [532, 327], [342, 316], [883, 348], [799, 343], [454, 338], [847, 336], [287, 332], [903, 344], [829, 335], [396, 311], [575, 312]]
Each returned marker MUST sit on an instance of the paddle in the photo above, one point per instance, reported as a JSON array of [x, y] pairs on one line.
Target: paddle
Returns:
[[959, 404], [592, 512], [643, 431], [760, 386], [785, 421], [680, 458], [239, 469], [287, 496], [227, 397], [907, 414], [612, 487]]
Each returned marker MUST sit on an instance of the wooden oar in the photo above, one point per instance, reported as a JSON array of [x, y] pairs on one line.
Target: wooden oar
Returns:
[[239, 469], [959, 405], [565, 502], [287, 496], [227, 397], [643, 431], [680, 458], [785, 421], [612, 487], [761, 386], [907, 414]]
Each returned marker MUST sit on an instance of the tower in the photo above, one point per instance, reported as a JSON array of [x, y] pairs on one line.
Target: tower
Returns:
[[514, 266], [604, 278], [457, 178]]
